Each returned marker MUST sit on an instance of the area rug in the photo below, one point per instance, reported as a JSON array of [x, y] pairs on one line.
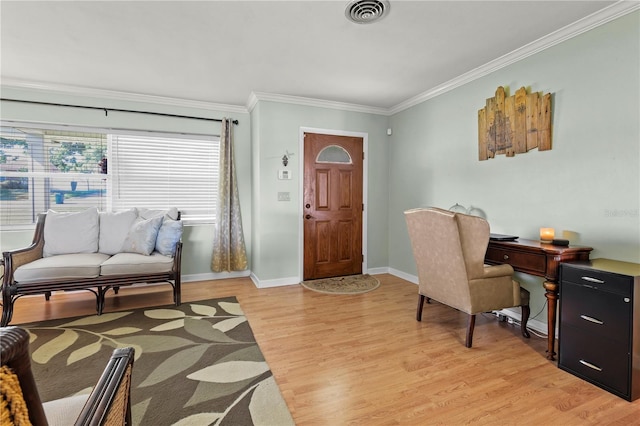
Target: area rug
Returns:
[[196, 364], [351, 284]]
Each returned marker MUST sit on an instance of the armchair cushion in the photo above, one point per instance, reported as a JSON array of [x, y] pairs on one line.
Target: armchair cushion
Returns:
[[60, 411], [66, 233]]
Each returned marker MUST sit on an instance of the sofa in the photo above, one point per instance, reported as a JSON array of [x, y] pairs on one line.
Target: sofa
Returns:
[[95, 251]]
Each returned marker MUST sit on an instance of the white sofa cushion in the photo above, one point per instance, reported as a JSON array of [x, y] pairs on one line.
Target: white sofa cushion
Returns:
[[142, 236], [168, 236], [64, 266], [134, 263], [114, 228], [66, 233], [171, 213]]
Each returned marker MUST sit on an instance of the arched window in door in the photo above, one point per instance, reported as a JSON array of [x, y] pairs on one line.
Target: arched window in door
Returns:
[[334, 154]]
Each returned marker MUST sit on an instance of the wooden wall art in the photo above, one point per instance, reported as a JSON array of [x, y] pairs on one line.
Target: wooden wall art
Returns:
[[515, 124]]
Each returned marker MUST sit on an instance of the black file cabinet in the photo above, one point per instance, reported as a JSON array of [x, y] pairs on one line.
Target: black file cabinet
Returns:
[[599, 334]]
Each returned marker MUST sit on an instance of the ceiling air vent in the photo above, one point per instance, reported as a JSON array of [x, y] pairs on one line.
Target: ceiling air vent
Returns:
[[366, 11]]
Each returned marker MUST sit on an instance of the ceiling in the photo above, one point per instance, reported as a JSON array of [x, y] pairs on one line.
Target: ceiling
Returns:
[[223, 51]]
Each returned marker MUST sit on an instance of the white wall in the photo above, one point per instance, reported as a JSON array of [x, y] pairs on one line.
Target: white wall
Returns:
[[589, 183]]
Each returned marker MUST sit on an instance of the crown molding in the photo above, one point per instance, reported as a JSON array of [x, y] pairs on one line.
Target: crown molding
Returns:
[[252, 101], [118, 96], [601, 17], [610, 13], [254, 97]]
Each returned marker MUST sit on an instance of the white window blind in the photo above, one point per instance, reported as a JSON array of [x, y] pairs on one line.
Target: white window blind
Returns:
[[70, 169], [43, 169], [162, 171]]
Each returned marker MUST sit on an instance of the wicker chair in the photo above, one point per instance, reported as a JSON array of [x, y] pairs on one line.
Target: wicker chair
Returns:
[[108, 404], [449, 250]]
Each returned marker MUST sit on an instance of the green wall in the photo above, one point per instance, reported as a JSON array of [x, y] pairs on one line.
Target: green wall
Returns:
[[276, 130], [588, 184]]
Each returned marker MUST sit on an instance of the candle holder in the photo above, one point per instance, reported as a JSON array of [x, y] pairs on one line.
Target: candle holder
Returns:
[[547, 235]]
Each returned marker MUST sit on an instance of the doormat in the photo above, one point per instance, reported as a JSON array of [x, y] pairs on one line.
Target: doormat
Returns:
[[351, 284]]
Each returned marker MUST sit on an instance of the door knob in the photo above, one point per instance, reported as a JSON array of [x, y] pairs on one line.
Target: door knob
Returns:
[[308, 206], [308, 216]]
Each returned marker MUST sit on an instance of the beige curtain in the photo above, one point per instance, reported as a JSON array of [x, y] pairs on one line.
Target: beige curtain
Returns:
[[229, 252]]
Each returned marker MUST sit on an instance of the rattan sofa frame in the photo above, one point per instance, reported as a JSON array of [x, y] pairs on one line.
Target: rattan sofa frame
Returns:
[[12, 290]]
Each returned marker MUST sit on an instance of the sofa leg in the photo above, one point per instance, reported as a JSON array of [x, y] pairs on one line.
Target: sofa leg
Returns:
[[176, 293], [100, 299], [47, 296]]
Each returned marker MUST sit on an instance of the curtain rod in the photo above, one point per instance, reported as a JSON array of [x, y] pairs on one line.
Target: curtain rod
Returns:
[[106, 110]]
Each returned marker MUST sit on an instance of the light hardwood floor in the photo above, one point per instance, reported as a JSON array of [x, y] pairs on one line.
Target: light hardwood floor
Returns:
[[365, 360]]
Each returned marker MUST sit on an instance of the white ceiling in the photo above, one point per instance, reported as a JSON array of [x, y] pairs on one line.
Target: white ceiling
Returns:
[[222, 51]]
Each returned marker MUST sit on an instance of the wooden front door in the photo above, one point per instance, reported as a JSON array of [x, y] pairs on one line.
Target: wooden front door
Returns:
[[332, 205]]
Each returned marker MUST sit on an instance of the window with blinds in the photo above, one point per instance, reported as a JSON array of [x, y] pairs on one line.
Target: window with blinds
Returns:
[[70, 170], [162, 171], [44, 169]]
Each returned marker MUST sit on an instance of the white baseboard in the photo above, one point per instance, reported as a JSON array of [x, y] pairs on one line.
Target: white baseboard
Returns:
[[377, 271], [537, 326], [404, 275], [274, 283], [214, 276]]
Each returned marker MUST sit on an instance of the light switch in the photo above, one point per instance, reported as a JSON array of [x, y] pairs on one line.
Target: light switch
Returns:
[[284, 174]]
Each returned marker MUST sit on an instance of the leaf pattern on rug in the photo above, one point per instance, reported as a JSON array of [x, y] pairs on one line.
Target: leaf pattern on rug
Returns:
[[196, 364], [84, 352], [230, 372], [175, 364], [55, 346]]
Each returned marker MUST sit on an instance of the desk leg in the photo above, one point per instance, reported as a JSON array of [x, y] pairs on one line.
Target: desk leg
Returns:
[[552, 298]]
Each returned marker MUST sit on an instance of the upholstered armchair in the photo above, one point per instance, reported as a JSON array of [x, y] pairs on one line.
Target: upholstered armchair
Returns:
[[449, 250], [108, 404]]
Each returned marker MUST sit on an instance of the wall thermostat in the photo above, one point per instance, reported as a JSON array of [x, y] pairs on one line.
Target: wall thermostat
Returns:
[[284, 174]]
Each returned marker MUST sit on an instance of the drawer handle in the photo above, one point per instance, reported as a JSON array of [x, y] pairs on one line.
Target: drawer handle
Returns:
[[588, 364], [593, 280], [591, 319], [506, 257]]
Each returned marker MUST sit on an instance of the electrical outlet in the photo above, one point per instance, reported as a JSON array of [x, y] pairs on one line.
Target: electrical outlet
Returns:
[[284, 196]]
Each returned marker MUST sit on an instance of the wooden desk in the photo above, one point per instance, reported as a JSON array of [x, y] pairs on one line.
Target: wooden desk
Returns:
[[542, 260]]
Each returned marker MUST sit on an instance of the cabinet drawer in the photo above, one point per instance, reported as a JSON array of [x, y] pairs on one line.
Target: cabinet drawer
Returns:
[[599, 360], [600, 280], [594, 311], [532, 262]]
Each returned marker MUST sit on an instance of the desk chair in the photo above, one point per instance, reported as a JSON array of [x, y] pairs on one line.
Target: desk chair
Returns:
[[449, 250]]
